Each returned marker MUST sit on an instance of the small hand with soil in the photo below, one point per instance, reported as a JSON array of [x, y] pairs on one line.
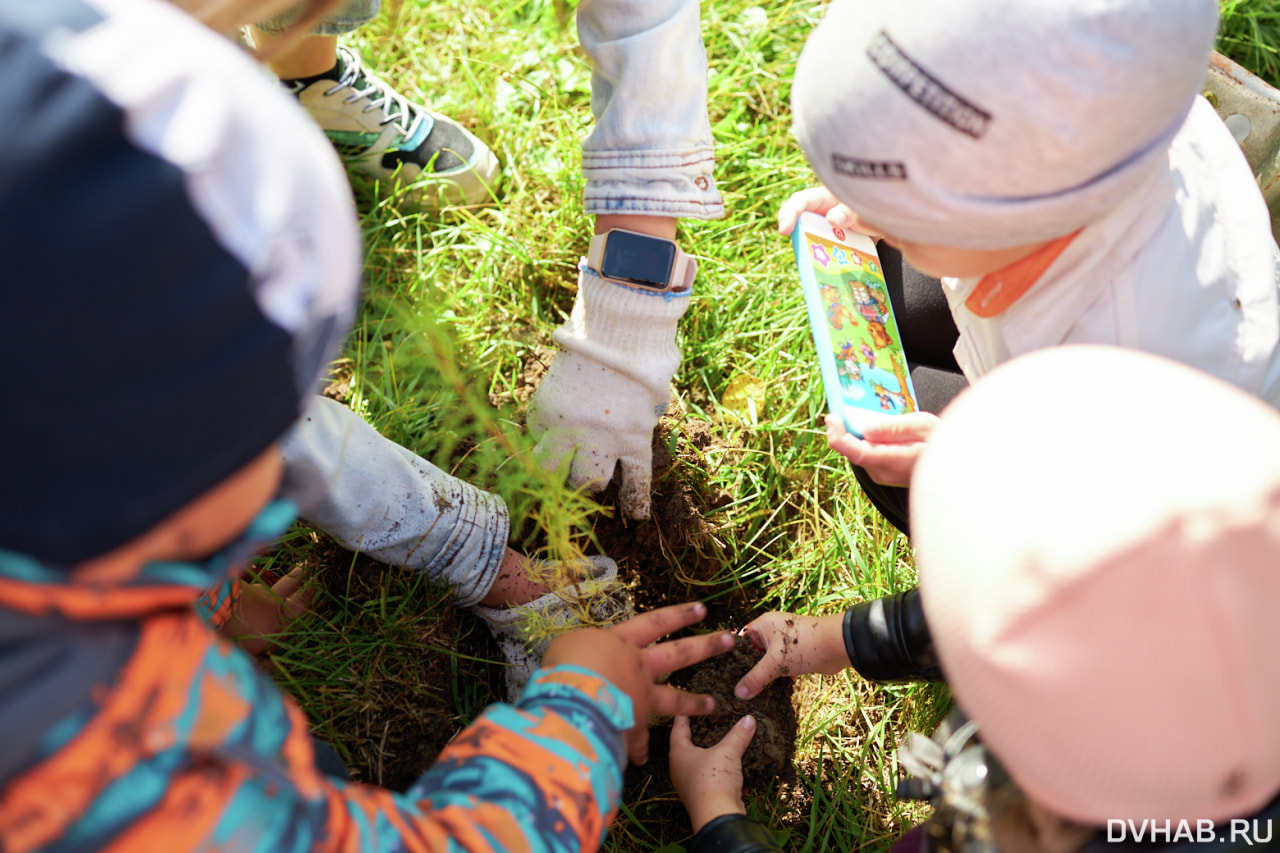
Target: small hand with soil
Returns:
[[262, 612], [793, 645], [627, 655], [709, 781]]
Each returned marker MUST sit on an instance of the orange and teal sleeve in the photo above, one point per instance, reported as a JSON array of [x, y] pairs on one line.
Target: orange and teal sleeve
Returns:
[[190, 747], [218, 602]]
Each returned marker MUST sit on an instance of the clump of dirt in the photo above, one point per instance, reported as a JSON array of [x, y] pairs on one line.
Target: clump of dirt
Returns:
[[535, 362], [769, 758], [770, 754], [338, 387], [676, 553], [394, 717]]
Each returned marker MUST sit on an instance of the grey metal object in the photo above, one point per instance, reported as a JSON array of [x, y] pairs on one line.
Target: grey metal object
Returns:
[[1251, 110]]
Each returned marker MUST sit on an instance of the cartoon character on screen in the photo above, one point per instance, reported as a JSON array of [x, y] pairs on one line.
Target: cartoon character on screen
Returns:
[[879, 336], [881, 299], [847, 365], [871, 308], [890, 401], [868, 355], [837, 314]]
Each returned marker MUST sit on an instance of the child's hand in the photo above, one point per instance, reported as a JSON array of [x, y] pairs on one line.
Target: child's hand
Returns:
[[793, 645], [889, 445], [623, 655], [821, 200], [709, 781], [263, 611]]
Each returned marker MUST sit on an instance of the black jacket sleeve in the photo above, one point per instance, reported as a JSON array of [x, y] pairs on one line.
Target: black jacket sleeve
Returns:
[[733, 833], [888, 640]]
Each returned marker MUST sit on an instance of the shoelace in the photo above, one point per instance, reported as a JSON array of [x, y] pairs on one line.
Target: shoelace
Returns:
[[395, 106]]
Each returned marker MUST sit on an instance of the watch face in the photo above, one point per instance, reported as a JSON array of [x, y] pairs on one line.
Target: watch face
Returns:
[[638, 259]]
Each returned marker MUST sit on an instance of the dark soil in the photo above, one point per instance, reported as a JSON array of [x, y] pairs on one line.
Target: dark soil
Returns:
[[536, 361], [400, 720], [384, 704], [768, 759], [774, 745], [674, 556]]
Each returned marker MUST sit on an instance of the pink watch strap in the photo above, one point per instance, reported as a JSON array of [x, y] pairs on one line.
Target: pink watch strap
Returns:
[[683, 269]]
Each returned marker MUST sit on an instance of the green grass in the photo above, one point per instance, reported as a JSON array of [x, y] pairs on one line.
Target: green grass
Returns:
[[1250, 34], [456, 308]]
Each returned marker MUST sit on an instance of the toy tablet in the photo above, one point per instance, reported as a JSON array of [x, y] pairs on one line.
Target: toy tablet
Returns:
[[859, 351]]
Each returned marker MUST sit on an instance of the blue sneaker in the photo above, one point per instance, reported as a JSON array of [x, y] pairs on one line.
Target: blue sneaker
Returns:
[[382, 135]]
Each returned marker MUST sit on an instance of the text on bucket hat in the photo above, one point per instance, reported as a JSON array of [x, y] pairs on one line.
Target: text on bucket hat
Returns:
[[995, 123]]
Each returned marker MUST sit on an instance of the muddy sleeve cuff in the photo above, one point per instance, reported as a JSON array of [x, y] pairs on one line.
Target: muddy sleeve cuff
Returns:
[[391, 505], [888, 640], [733, 833]]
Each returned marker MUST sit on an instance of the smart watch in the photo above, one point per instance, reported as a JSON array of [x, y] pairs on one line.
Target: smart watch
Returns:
[[641, 260]]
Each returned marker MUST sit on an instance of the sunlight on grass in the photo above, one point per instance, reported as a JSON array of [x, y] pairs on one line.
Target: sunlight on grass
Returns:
[[1250, 34], [456, 326]]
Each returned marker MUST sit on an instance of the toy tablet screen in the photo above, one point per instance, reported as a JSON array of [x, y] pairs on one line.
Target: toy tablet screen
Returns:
[[859, 351]]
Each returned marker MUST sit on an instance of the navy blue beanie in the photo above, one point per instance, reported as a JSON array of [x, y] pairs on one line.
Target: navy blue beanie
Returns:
[[168, 300]]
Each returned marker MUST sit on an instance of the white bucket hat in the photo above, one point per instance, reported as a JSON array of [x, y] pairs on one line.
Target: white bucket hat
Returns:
[[995, 123]]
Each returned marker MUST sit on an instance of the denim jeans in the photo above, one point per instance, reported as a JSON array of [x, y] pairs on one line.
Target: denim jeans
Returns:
[[344, 19], [651, 150]]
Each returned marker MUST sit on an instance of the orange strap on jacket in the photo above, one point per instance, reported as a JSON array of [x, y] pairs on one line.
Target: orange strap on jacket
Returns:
[[1000, 289]]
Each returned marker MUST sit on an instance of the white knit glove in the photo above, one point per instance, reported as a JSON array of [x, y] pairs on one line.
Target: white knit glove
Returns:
[[609, 385]]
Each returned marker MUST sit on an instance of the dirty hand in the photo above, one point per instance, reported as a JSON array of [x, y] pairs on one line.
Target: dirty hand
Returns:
[[821, 200], [261, 612], [889, 445], [709, 781], [793, 645], [627, 656], [608, 386]]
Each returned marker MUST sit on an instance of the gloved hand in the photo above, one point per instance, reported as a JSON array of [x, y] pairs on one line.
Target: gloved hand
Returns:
[[609, 385], [591, 594]]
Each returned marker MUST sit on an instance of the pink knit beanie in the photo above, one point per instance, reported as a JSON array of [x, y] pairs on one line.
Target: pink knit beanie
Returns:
[[1097, 535]]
